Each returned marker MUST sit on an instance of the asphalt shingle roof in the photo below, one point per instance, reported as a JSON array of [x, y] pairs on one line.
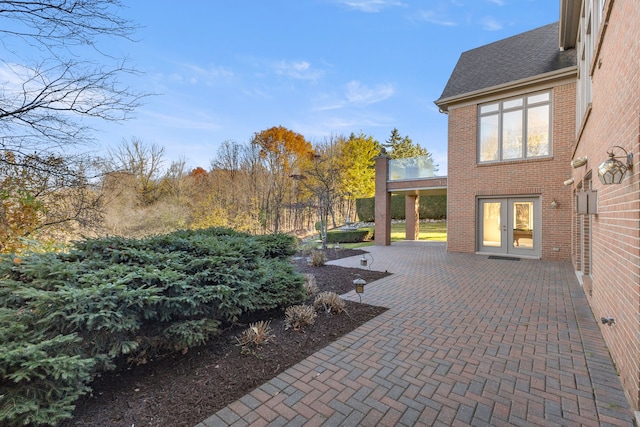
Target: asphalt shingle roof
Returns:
[[524, 55]]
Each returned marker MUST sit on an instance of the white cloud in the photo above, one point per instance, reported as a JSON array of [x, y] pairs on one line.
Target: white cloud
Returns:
[[192, 74], [497, 2], [434, 17], [360, 94], [356, 94], [370, 6], [299, 70], [491, 24], [212, 72]]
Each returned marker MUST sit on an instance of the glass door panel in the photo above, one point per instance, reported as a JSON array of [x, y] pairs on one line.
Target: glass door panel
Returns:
[[522, 225], [491, 233], [493, 226]]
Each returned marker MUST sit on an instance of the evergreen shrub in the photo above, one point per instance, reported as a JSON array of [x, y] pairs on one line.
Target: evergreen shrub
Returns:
[[65, 317]]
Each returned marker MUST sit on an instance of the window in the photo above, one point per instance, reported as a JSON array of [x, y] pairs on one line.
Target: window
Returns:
[[515, 128], [590, 22]]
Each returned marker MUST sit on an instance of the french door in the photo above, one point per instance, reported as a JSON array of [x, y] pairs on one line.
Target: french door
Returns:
[[509, 226]]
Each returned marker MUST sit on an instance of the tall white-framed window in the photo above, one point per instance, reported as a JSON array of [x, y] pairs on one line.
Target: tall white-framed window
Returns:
[[515, 128], [590, 20]]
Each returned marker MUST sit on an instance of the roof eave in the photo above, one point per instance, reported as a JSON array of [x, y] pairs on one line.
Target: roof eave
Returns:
[[569, 22], [443, 104]]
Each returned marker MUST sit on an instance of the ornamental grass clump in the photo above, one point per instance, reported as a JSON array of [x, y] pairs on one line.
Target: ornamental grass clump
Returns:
[[256, 335], [310, 284], [329, 302], [299, 316], [317, 258]]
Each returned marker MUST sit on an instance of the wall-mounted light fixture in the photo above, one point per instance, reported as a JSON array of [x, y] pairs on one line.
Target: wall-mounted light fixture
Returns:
[[608, 320], [580, 161], [554, 203], [612, 170], [569, 181]]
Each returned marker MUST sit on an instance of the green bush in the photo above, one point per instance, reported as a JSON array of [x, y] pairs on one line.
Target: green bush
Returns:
[[278, 245], [66, 317], [350, 236]]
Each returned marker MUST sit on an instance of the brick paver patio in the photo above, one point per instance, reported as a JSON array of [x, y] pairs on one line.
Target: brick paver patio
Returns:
[[467, 340]]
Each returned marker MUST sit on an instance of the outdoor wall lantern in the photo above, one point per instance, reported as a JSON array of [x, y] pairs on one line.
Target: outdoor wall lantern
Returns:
[[612, 170], [569, 181], [554, 203]]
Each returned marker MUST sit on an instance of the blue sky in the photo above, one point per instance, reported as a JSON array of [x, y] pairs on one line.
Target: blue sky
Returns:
[[223, 70]]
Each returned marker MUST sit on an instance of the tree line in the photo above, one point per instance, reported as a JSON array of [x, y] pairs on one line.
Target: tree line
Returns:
[[51, 92]]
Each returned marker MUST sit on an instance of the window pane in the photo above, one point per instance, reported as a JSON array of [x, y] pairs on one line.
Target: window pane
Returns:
[[523, 225], [541, 97], [489, 108], [512, 103], [512, 135], [488, 138], [491, 234], [538, 131]]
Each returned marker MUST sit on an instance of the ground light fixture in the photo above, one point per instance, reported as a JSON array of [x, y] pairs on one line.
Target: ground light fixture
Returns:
[[359, 282], [612, 170]]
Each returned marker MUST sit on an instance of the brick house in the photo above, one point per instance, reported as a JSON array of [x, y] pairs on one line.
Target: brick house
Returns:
[[530, 120], [606, 217], [511, 108]]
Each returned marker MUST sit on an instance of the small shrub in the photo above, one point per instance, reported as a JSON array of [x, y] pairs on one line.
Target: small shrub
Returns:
[[256, 334], [330, 302], [310, 284], [299, 316], [318, 258]]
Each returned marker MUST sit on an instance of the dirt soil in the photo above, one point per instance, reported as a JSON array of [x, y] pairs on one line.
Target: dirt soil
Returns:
[[185, 389]]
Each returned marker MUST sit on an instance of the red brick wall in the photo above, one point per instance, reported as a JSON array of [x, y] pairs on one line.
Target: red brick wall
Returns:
[[615, 120], [536, 177]]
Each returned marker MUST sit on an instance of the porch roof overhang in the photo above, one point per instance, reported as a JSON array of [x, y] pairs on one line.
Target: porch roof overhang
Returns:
[[419, 187]]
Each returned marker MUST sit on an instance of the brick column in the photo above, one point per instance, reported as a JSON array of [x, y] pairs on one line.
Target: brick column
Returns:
[[412, 217], [382, 203]]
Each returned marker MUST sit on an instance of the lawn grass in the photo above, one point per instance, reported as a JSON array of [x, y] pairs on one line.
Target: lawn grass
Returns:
[[432, 231]]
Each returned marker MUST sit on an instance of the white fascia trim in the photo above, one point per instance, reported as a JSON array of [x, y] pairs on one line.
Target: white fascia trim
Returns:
[[569, 72]]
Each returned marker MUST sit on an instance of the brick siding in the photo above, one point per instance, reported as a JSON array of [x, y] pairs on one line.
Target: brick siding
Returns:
[[544, 178], [615, 245]]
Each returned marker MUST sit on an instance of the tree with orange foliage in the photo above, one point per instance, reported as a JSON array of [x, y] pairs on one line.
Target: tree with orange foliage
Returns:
[[284, 154], [43, 199]]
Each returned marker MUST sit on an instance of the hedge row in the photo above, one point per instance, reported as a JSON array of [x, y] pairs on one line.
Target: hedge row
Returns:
[[66, 317], [350, 236], [430, 207]]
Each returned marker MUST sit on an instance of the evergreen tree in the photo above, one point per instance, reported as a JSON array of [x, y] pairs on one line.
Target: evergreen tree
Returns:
[[399, 147]]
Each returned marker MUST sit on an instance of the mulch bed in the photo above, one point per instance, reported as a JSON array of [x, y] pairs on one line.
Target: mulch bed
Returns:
[[184, 389]]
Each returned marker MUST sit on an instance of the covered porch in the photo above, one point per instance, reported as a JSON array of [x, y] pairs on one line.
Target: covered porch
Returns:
[[405, 177]]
